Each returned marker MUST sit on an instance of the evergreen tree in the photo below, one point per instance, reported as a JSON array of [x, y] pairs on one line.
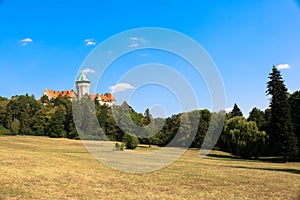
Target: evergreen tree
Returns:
[[39, 123], [200, 121], [257, 116], [236, 111], [85, 119], [282, 137], [57, 127], [69, 123], [294, 101], [267, 119], [147, 117], [19, 114], [3, 105]]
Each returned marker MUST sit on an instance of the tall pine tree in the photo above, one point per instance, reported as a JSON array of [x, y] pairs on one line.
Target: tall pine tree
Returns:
[[294, 100], [236, 111], [282, 137]]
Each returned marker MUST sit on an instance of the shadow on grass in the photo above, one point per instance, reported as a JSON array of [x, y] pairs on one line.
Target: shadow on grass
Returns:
[[274, 159], [293, 171], [222, 156], [263, 159]]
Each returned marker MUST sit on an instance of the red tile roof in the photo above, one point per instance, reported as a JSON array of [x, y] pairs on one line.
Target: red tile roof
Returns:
[[105, 98], [108, 97], [64, 93]]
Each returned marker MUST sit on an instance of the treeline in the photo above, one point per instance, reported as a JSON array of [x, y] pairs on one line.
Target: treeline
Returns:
[[24, 115], [274, 131]]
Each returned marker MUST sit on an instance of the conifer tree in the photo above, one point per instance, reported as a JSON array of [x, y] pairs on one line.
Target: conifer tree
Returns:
[[236, 111], [257, 116], [282, 137], [57, 128], [294, 101]]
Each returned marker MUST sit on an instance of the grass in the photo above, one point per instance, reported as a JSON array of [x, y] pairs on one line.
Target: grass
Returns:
[[45, 168]]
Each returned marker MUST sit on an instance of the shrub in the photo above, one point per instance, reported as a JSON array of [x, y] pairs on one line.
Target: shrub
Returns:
[[122, 146], [4, 131], [117, 146], [130, 141]]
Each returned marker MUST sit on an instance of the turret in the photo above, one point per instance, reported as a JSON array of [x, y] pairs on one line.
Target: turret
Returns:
[[82, 85]]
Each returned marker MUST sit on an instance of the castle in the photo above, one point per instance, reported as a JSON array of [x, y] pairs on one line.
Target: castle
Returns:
[[83, 88]]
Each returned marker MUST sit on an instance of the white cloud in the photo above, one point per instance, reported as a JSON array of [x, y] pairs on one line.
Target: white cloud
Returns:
[[120, 87], [134, 45], [25, 41], [136, 41], [283, 66], [229, 109], [88, 70], [89, 42], [134, 38]]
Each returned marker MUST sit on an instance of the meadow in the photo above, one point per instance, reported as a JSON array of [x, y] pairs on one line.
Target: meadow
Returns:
[[46, 168]]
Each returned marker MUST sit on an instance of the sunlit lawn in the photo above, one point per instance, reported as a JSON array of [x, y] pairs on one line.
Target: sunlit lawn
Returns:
[[45, 168]]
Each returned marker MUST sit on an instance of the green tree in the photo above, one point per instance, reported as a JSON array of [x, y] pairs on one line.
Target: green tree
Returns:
[[39, 124], [85, 118], [236, 111], [185, 134], [70, 128], [148, 128], [45, 99], [294, 101], [131, 141], [57, 127], [3, 105], [267, 119], [4, 131], [257, 116], [200, 121], [15, 126], [244, 138], [215, 128], [21, 109], [147, 118], [282, 137]]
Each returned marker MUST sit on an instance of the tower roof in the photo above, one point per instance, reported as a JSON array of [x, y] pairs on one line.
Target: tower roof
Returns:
[[82, 77]]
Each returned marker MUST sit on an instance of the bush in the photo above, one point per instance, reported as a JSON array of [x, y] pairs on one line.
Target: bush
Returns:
[[4, 131], [122, 147], [130, 141], [117, 146]]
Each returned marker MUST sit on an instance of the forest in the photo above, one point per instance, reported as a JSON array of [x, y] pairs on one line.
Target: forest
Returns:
[[274, 131]]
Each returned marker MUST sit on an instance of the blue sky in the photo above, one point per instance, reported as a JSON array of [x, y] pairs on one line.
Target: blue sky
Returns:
[[44, 43]]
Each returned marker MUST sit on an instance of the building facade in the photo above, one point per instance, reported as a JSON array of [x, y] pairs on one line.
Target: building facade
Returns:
[[83, 88]]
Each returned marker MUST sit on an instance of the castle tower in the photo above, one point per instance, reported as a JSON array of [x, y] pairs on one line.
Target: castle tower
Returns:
[[82, 85]]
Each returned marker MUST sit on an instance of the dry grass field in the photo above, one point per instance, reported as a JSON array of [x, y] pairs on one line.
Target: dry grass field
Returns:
[[45, 168]]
